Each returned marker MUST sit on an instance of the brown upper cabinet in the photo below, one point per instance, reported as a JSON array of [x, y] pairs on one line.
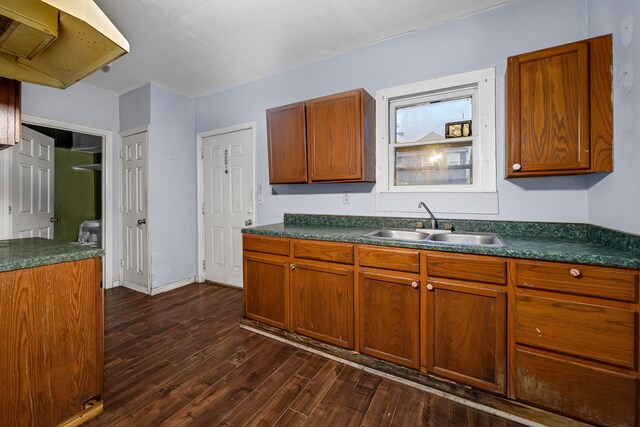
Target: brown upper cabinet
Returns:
[[10, 116], [327, 139], [559, 110]]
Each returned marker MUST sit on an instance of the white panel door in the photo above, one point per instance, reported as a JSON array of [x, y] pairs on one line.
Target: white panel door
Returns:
[[228, 202], [32, 186], [135, 261]]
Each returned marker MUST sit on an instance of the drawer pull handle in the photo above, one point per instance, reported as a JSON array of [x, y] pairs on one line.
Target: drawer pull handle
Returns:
[[575, 272], [429, 287], [415, 285]]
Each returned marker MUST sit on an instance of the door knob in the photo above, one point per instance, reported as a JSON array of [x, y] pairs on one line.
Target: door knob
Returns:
[[142, 221], [248, 222], [52, 219]]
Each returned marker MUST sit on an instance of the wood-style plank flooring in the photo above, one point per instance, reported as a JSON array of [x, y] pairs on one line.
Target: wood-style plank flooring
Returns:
[[181, 358]]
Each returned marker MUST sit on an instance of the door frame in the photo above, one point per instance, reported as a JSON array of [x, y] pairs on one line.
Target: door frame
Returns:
[[108, 222], [200, 277], [124, 134]]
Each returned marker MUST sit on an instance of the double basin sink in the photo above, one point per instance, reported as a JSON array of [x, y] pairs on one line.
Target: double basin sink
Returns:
[[438, 237]]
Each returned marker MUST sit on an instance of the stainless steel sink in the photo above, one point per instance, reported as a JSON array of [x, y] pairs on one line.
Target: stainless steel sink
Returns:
[[398, 235], [466, 239]]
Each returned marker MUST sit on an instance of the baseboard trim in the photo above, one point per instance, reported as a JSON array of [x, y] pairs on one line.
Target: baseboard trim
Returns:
[[172, 286], [228, 285], [465, 395], [134, 287]]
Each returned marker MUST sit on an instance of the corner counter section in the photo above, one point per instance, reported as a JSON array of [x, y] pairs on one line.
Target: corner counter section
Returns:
[[16, 254]]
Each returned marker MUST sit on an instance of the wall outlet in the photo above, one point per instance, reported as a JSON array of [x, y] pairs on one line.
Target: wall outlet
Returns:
[[346, 199]]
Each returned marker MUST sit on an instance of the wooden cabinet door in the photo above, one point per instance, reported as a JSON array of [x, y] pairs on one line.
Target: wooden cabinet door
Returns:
[[266, 289], [548, 95], [10, 115], [466, 333], [323, 303], [559, 110], [334, 135], [389, 316], [287, 141]]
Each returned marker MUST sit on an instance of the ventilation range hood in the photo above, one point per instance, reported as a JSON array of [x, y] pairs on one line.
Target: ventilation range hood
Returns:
[[56, 42]]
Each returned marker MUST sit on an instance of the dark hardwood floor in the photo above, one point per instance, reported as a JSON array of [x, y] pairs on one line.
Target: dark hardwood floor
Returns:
[[181, 358]]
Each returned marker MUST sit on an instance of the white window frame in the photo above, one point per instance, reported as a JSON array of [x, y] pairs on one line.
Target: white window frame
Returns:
[[478, 197]]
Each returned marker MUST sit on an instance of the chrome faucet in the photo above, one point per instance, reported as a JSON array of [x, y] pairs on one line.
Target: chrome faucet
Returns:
[[434, 222]]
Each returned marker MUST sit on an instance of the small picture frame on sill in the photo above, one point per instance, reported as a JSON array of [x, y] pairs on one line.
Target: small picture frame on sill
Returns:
[[457, 129]]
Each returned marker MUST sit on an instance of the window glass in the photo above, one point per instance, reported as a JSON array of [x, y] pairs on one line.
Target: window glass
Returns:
[[425, 121], [434, 164]]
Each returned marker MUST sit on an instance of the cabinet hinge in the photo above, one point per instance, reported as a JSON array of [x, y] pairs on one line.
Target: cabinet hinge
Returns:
[[10, 209], [202, 153], [121, 262], [120, 153], [203, 209], [204, 264]]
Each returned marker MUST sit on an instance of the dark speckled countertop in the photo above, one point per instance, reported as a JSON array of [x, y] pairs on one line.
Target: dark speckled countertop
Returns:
[[17, 254], [574, 243]]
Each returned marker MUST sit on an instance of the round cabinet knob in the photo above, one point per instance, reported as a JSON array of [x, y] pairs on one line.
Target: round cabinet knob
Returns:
[[429, 287], [293, 266], [575, 272], [415, 285], [516, 167]]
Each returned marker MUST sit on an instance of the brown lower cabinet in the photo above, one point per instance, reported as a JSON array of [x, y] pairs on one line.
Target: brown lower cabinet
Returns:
[[323, 302], [575, 340], [266, 289], [52, 343], [390, 316], [467, 333], [561, 337]]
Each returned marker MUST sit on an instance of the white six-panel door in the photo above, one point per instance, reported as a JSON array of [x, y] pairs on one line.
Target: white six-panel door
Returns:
[[134, 212], [32, 186], [228, 202]]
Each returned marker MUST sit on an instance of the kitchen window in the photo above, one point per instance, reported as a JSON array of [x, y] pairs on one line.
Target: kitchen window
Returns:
[[438, 137]]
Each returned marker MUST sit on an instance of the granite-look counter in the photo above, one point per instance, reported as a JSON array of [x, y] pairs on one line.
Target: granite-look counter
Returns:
[[16, 254], [574, 243]]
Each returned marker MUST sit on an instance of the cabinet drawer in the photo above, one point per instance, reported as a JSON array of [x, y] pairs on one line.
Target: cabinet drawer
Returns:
[[323, 251], [389, 258], [269, 245], [596, 332], [467, 267], [594, 395], [599, 282]]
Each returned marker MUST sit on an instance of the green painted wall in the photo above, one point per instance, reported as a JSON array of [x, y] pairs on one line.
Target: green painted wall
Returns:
[[76, 193]]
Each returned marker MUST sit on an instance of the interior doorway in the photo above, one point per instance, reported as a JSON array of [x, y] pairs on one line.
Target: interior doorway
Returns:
[[61, 171], [104, 202], [226, 175]]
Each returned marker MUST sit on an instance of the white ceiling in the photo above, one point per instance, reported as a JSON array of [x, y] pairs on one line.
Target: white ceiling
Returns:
[[201, 46]]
